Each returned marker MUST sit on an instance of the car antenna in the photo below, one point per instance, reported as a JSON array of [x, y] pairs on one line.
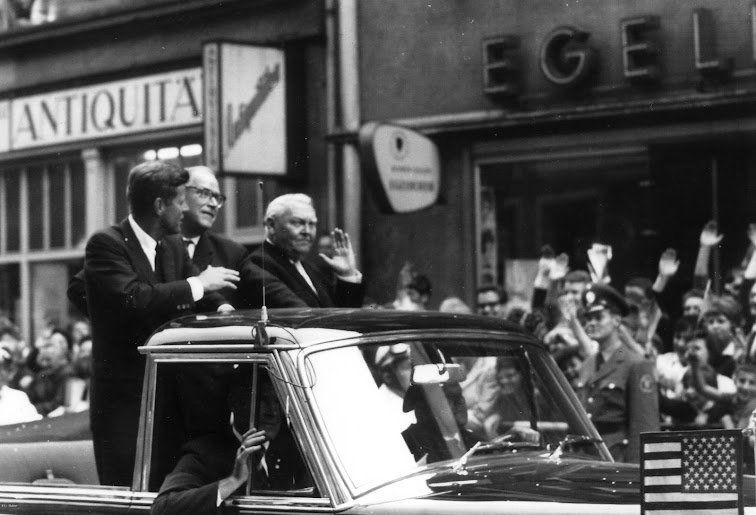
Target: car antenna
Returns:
[[261, 336]]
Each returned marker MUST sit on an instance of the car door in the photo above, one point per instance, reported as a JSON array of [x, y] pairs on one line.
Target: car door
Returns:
[[200, 401]]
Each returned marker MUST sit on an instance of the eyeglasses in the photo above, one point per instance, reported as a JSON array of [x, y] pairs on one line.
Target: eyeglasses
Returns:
[[206, 194]]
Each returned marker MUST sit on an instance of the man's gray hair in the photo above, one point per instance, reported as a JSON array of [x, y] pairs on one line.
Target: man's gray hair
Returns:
[[281, 205]]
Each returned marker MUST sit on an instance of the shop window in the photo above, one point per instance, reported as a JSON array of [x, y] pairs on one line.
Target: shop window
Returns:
[[12, 216], [57, 181], [78, 202], [55, 205], [35, 208], [567, 203], [10, 291]]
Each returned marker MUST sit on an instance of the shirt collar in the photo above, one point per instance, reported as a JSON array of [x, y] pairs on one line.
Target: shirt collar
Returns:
[[144, 239], [194, 240]]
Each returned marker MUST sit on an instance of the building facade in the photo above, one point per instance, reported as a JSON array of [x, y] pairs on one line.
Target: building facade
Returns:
[[86, 95], [563, 123]]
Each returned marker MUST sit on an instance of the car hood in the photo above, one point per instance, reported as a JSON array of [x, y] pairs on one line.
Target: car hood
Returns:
[[535, 477]]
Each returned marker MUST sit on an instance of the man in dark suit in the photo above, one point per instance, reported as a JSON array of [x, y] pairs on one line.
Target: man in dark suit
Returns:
[[203, 200], [205, 248], [209, 472], [137, 276], [290, 228]]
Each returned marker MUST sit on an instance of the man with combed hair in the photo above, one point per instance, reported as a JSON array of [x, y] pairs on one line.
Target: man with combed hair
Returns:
[[290, 230], [137, 276]]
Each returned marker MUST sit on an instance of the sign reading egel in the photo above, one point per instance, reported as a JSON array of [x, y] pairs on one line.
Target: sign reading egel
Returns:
[[402, 164], [245, 108]]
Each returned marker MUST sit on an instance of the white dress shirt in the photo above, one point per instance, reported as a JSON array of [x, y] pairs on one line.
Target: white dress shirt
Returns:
[[191, 245]]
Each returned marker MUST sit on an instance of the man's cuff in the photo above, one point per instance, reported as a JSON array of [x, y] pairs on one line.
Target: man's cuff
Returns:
[[197, 290], [224, 308], [218, 498], [355, 278]]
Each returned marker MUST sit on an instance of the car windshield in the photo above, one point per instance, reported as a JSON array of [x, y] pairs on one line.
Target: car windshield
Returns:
[[383, 424]]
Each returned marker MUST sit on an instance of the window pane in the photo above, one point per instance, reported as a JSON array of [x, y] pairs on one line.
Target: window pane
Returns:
[[10, 291], [57, 202], [12, 204], [34, 208], [78, 202]]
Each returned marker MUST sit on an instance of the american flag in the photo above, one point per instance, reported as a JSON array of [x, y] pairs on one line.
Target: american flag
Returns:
[[692, 472]]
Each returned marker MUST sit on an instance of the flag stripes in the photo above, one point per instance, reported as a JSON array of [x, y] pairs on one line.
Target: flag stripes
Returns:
[[691, 472]]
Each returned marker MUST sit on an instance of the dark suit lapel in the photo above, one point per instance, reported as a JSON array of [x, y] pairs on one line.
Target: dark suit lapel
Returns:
[[203, 252], [280, 258], [323, 297], [136, 254]]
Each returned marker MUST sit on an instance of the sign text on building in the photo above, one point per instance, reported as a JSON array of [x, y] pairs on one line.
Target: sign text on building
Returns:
[[403, 165], [115, 108]]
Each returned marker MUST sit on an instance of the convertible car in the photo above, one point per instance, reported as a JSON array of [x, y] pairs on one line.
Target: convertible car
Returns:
[[387, 412]]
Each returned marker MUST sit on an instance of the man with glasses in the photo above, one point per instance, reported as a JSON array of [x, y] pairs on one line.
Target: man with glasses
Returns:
[[489, 301], [203, 201]]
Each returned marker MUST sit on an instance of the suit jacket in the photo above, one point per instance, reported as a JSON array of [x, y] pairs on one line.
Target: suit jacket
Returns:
[[342, 294], [192, 486], [127, 300], [621, 394], [214, 250]]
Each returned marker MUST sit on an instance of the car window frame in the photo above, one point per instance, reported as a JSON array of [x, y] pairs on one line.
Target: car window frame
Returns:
[[404, 336], [233, 353]]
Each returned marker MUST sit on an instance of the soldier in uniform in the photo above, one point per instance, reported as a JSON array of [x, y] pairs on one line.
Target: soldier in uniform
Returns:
[[617, 385]]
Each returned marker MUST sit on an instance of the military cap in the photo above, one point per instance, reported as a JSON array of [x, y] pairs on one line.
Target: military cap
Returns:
[[600, 296]]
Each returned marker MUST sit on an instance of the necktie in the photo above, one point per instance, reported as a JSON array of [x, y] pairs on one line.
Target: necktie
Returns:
[[261, 480], [159, 251], [300, 268], [599, 360], [189, 244]]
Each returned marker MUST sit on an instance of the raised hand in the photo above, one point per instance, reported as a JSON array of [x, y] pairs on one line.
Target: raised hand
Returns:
[[560, 267], [752, 234], [251, 443], [709, 234], [343, 262], [599, 256], [668, 263]]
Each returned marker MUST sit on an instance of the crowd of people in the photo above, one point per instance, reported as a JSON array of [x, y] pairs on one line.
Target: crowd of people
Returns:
[[633, 366], [47, 379]]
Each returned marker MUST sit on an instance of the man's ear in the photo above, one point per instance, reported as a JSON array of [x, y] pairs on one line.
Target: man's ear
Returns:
[[158, 206]]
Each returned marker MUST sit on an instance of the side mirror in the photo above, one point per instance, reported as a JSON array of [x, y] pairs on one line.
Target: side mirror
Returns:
[[433, 373]]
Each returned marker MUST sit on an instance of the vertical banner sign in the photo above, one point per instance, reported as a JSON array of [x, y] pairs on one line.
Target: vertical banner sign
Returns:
[[210, 79], [402, 165], [245, 108]]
